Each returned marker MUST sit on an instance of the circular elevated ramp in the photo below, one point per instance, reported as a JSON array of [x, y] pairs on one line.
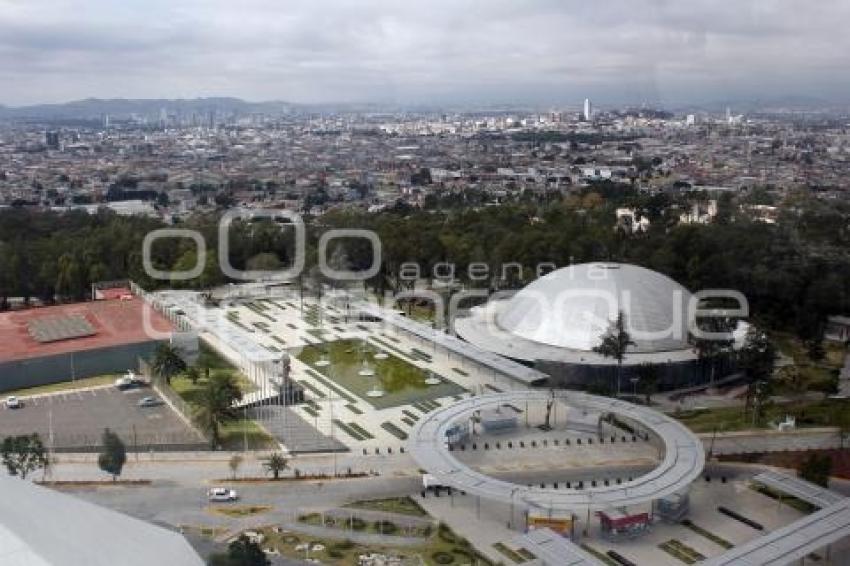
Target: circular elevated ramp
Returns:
[[683, 460]]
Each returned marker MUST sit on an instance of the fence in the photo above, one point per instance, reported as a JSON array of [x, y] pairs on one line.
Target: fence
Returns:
[[171, 398]]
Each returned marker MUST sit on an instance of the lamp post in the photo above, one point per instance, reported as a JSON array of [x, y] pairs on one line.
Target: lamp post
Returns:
[[511, 521]]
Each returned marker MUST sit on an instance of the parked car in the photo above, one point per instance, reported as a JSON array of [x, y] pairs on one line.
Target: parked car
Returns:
[[148, 402], [128, 381], [222, 494], [13, 402]]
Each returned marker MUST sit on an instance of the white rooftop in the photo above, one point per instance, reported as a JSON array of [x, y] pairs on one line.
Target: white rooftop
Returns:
[[553, 549], [42, 527], [573, 307], [791, 542], [562, 316], [799, 488]]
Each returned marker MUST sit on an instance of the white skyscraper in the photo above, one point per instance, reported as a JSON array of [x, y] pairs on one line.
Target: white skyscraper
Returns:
[[588, 110]]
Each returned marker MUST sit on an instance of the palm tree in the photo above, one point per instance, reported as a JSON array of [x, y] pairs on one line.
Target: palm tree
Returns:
[[167, 362], [648, 379], [711, 349], [214, 406], [275, 464], [193, 374], [615, 343]]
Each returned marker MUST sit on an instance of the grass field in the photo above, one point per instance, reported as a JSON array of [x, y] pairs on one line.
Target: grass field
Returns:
[[725, 419], [402, 382], [65, 386], [400, 505], [235, 435]]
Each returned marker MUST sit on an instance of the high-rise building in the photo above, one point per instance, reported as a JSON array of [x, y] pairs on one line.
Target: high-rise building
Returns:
[[588, 110], [51, 139]]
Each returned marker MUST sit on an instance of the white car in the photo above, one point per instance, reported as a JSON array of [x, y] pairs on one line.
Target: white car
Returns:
[[13, 402], [128, 381], [222, 494]]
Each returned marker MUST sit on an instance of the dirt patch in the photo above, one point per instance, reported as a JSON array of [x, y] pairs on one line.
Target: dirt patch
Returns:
[[95, 483]]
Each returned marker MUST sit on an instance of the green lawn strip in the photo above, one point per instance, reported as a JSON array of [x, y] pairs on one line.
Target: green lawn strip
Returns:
[[84, 383], [259, 312], [279, 340], [408, 421], [313, 389], [410, 414], [422, 354], [790, 500], [271, 348], [398, 505], [235, 435], [349, 430], [310, 410], [681, 551], [353, 409], [392, 349], [525, 553], [363, 328], [242, 326], [321, 379], [601, 556], [292, 326], [391, 338], [394, 430], [421, 407], [707, 534], [492, 388], [460, 371], [726, 419], [513, 555], [317, 332], [365, 433]]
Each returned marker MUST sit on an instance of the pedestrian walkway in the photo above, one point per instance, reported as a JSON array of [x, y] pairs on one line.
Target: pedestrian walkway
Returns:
[[293, 431]]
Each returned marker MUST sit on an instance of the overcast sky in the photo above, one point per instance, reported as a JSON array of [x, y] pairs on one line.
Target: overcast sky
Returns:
[[412, 51]]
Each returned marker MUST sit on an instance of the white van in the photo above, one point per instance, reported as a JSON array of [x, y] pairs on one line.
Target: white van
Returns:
[[222, 494]]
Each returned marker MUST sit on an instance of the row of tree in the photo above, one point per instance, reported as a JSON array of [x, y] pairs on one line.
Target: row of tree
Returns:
[[794, 273]]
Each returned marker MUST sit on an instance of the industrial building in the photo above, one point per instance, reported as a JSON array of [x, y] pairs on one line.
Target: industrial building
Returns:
[[46, 345]]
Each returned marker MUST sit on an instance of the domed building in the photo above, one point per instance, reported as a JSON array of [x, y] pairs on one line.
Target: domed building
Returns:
[[556, 322]]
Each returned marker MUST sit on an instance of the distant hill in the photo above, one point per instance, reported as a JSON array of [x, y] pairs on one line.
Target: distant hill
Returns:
[[120, 108]]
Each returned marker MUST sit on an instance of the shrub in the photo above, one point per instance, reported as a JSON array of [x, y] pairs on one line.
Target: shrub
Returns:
[[446, 534], [441, 557], [385, 527]]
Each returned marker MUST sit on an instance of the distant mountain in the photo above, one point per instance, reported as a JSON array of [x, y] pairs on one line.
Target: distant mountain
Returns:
[[771, 104], [120, 108]]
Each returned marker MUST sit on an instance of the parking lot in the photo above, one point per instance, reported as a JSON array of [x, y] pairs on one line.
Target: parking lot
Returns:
[[75, 420]]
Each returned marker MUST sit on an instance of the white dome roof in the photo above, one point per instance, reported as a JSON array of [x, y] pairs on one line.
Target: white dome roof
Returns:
[[573, 308]]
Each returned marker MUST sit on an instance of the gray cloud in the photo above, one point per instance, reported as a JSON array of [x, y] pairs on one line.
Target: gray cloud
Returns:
[[439, 50]]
